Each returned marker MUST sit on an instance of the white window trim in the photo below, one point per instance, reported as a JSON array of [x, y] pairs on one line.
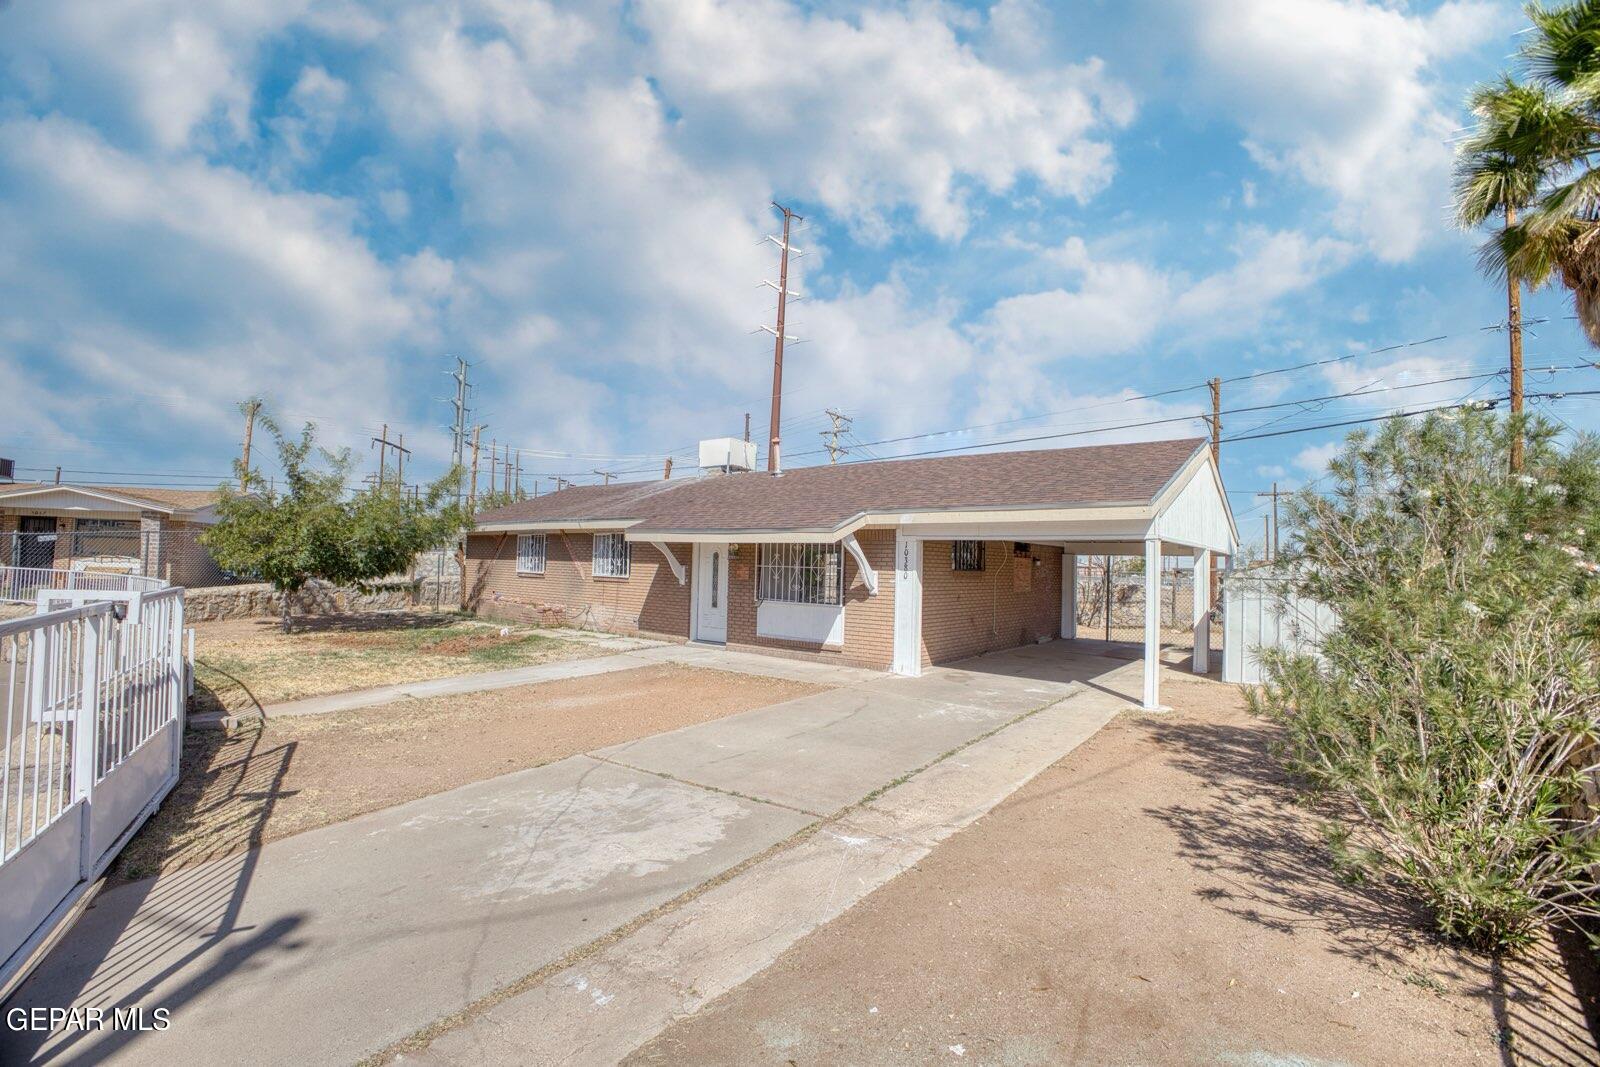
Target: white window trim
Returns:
[[627, 557], [523, 554]]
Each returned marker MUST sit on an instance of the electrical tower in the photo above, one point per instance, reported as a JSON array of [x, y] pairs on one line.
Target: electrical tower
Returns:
[[778, 336], [458, 428], [841, 425]]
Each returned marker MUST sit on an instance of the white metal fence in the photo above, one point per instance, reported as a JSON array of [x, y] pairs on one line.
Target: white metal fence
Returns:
[[1261, 610], [92, 711], [23, 585]]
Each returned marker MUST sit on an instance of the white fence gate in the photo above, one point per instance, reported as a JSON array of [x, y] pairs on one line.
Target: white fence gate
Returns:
[[1260, 610], [93, 716]]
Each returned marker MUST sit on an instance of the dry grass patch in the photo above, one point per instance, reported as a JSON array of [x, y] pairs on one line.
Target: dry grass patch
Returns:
[[244, 664], [268, 780]]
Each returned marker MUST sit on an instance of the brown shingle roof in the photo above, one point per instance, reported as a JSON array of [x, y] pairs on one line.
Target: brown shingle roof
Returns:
[[182, 499], [826, 497]]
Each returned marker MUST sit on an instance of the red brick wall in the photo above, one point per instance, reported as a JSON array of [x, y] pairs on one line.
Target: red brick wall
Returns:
[[965, 613], [868, 620], [649, 600]]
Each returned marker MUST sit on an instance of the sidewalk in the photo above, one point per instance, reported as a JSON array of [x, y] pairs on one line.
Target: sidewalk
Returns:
[[639, 652]]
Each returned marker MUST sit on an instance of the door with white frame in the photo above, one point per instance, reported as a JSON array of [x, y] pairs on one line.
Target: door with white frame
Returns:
[[711, 592]]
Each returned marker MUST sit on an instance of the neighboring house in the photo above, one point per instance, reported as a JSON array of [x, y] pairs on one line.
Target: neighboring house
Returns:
[[892, 565], [109, 528]]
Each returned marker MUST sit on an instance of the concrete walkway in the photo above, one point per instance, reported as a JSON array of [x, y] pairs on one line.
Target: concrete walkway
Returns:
[[521, 909], [633, 652]]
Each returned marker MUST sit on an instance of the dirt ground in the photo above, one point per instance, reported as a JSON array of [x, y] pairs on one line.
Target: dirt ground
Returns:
[[266, 781], [244, 663], [1156, 897]]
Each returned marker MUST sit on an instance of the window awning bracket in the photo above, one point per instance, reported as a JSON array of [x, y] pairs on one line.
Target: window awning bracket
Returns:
[[672, 561], [868, 575]]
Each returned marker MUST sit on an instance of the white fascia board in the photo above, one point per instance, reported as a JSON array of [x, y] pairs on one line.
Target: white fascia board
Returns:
[[815, 535], [513, 526], [1064, 517], [12, 499]]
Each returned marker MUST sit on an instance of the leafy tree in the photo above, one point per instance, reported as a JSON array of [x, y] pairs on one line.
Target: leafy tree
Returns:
[[1548, 129], [1451, 719], [316, 527]]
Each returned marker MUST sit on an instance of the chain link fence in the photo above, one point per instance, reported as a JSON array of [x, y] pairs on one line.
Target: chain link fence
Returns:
[[1114, 610], [177, 556]]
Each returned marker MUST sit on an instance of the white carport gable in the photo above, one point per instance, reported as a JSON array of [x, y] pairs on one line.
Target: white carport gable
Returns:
[[1189, 516]]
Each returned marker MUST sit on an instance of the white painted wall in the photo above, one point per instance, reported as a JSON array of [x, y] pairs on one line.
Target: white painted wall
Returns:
[[1198, 515], [820, 624], [1259, 612]]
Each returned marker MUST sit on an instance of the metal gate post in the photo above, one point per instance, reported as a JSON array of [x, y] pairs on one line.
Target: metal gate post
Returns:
[[85, 736]]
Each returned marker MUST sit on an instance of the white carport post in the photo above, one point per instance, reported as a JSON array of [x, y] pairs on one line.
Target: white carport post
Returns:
[[1152, 624], [1202, 611], [907, 606], [1069, 595]]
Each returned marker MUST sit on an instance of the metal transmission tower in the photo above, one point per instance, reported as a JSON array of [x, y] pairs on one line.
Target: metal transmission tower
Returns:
[[782, 286], [841, 425], [458, 428]]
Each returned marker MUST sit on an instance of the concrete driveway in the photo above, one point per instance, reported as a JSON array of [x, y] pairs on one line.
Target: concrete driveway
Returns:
[[335, 944]]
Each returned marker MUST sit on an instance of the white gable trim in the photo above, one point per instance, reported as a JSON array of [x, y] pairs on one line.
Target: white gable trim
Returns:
[[92, 500]]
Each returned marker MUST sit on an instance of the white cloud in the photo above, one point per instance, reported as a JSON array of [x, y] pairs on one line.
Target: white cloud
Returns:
[[1344, 95], [1314, 458], [886, 109]]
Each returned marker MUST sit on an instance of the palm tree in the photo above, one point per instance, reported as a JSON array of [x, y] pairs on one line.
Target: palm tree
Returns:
[[1552, 125], [1500, 169]]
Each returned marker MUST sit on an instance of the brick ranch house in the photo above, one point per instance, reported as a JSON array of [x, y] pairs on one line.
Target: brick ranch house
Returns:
[[896, 564], [109, 528]]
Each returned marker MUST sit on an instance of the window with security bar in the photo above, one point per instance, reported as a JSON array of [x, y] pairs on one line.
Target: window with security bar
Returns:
[[530, 553], [801, 574], [966, 555], [611, 556]]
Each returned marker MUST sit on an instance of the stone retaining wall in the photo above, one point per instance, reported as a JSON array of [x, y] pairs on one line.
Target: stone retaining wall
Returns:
[[318, 598]]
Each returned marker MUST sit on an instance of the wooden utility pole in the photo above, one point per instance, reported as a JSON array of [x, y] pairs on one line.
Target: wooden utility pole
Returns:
[[607, 475], [507, 488], [1216, 419], [494, 464], [384, 444], [1273, 528], [666, 472], [777, 339], [251, 408], [472, 493], [1514, 328], [1215, 579]]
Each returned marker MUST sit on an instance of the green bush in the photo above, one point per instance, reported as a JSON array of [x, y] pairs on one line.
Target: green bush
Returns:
[[316, 527], [1450, 719]]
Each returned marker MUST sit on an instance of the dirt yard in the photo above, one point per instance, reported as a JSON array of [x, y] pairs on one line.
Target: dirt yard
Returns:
[[244, 663], [1156, 897], [267, 781]]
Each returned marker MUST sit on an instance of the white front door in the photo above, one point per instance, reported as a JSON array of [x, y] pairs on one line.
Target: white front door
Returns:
[[711, 592]]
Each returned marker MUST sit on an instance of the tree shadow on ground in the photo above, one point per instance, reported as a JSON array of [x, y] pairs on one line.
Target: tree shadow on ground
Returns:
[[369, 622], [1268, 864]]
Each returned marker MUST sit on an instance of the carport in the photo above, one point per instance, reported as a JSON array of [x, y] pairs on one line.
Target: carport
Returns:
[[1188, 518]]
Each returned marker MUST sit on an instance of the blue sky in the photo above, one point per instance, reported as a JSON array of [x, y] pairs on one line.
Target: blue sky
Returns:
[[1020, 217]]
